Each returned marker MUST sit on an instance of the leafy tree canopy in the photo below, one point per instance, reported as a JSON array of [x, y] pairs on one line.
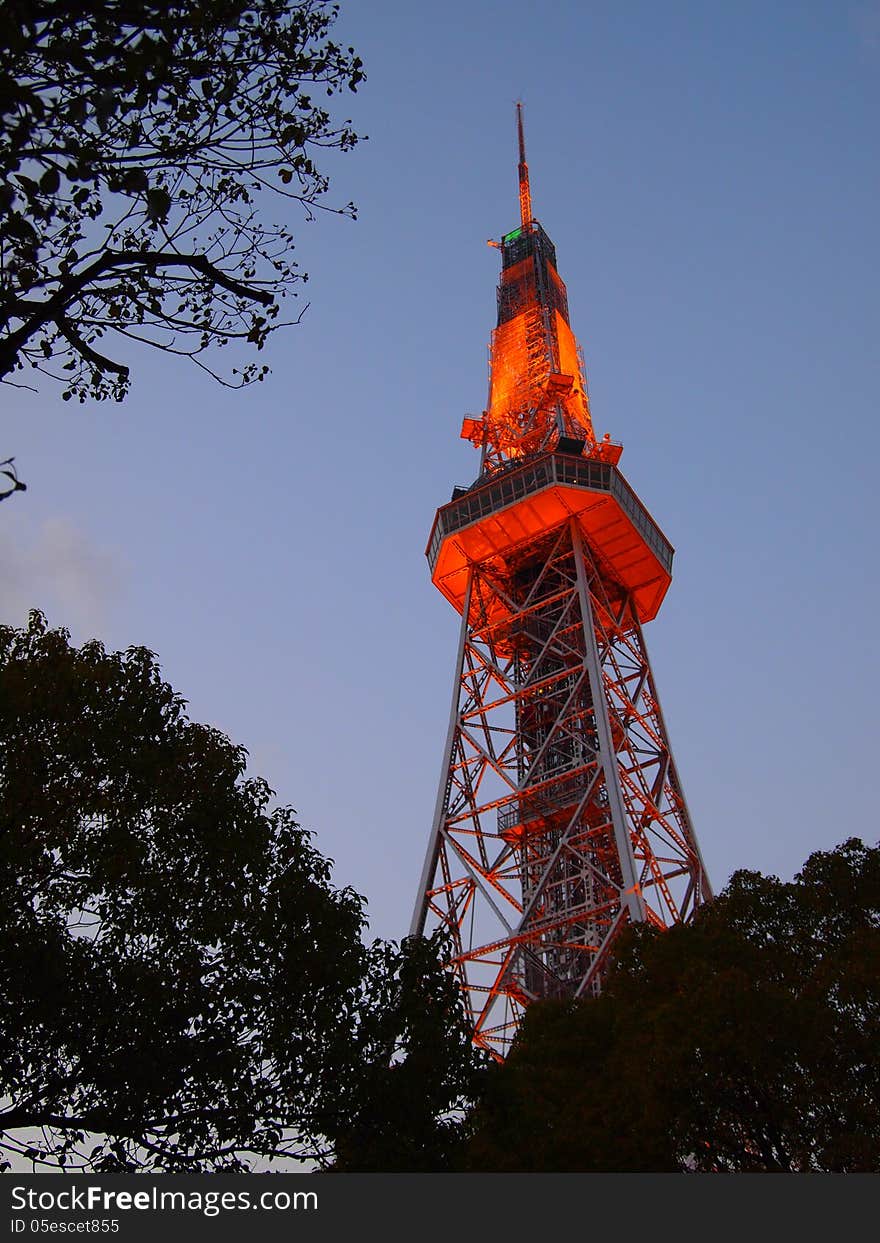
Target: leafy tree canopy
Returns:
[[410, 1112], [139, 143], [747, 1041], [181, 985]]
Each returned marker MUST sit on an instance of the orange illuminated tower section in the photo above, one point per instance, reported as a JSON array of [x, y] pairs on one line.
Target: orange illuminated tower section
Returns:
[[560, 816]]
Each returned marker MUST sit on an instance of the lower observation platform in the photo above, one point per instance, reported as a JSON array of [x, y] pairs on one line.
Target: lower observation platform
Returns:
[[496, 518]]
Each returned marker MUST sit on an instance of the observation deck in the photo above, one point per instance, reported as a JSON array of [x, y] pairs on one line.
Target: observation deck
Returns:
[[497, 516]]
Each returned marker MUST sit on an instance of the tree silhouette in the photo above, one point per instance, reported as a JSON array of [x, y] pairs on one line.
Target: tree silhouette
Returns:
[[181, 985], [140, 146], [747, 1041]]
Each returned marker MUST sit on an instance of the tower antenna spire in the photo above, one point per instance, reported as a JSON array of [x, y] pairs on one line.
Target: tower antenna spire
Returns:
[[525, 194]]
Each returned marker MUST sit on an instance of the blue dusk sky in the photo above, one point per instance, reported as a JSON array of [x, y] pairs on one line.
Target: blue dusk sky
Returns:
[[709, 174]]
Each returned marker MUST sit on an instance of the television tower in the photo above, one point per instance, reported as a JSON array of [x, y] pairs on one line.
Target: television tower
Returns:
[[560, 816]]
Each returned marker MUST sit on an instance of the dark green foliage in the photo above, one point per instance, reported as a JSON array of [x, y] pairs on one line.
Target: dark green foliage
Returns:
[[405, 1108], [181, 986], [139, 145], [747, 1041]]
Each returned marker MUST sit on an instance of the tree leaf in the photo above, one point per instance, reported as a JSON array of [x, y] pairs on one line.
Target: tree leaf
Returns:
[[158, 204]]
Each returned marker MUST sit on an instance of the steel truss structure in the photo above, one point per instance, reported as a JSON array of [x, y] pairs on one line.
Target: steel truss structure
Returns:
[[560, 815]]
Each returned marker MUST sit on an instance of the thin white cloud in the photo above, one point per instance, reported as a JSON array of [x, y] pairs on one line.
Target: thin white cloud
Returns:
[[58, 569]]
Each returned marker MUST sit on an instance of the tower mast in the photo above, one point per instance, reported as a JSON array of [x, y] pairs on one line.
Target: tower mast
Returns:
[[560, 816], [525, 195]]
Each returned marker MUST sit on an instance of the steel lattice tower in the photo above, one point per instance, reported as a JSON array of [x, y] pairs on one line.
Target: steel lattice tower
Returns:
[[560, 815]]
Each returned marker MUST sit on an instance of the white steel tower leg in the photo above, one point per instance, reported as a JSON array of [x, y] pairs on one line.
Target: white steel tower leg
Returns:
[[631, 897], [420, 911]]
